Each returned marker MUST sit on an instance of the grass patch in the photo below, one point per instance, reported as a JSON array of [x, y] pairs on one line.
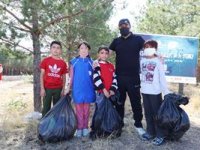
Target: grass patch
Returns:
[[17, 105], [11, 121]]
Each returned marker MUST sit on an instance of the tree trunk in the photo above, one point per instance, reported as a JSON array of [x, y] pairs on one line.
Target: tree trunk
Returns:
[[68, 31], [36, 73], [36, 58]]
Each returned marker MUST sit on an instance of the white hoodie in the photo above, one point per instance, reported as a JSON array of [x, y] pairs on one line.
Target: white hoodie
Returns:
[[152, 76]]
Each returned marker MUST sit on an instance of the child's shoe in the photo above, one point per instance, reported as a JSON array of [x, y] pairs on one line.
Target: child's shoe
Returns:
[[85, 132], [158, 141], [140, 131], [78, 133], [146, 137]]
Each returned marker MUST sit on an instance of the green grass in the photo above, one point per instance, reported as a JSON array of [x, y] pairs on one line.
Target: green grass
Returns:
[[17, 105]]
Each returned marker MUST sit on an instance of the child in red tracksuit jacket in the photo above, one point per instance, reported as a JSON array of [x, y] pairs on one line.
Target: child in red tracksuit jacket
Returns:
[[104, 78], [104, 74]]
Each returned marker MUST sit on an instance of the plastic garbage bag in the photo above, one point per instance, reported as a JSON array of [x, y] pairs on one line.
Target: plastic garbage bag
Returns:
[[177, 99], [32, 116], [181, 127], [172, 118], [106, 120], [115, 99], [59, 123]]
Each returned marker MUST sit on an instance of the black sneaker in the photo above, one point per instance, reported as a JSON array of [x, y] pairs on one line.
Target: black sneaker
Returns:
[[147, 137], [158, 141]]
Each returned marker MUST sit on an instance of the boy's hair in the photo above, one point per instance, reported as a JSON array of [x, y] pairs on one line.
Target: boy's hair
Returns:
[[103, 47], [85, 43], [57, 43], [151, 43]]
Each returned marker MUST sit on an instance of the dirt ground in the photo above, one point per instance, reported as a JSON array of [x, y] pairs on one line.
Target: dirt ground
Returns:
[[16, 101]]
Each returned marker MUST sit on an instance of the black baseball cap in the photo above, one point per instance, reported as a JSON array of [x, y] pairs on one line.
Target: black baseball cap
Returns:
[[124, 21]]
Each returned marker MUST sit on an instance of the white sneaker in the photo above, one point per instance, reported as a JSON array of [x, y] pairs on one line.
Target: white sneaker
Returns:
[[85, 132], [78, 133], [140, 131]]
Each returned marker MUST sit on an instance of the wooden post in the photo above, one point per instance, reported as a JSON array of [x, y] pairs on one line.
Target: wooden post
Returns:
[[181, 88]]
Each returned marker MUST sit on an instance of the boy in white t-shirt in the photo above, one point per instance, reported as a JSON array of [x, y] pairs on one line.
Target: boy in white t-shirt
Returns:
[[153, 84]]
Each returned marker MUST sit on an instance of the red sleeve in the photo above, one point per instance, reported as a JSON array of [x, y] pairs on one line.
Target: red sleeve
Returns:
[[43, 64], [65, 70], [112, 66]]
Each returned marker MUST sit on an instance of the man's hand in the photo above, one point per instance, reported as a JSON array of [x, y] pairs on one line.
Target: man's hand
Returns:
[[42, 92], [106, 93]]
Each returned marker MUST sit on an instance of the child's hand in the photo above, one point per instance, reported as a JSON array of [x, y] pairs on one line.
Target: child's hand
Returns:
[[112, 93], [106, 93], [42, 92], [95, 64], [68, 90], [62, 93]]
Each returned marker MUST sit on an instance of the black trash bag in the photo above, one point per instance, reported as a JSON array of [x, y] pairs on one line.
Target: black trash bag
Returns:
[[59, 123], [181, 127], [172, 118], [106, 120], [177, 99], [115, 99]]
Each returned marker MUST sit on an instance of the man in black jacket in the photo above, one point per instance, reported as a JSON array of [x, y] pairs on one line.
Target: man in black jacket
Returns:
[[127, 48]]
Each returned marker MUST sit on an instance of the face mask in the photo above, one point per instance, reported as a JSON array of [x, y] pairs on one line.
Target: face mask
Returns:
[[149, 51], [124, 31]]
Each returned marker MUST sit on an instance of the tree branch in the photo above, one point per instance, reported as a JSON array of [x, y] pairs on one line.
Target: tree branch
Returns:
[[56, 20], [11, 43], [12, 14], [16, 27], [59, 19]]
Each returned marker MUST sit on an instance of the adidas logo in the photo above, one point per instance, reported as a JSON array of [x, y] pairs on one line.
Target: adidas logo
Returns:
[[54, 69]]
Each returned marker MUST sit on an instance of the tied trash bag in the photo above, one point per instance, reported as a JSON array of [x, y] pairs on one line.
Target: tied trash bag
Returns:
[[106, 120], [115, 99], [59, 123], [172, 118]]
